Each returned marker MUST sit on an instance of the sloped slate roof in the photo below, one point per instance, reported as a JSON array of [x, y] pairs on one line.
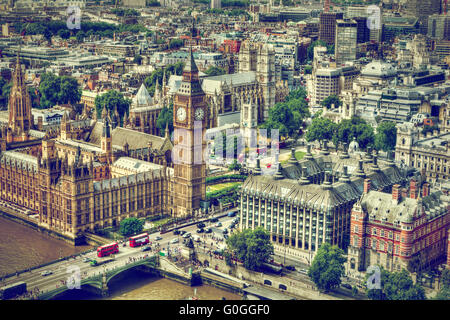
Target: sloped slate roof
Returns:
[[139, 140]]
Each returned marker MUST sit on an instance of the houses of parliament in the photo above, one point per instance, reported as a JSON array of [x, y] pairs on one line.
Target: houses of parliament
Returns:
[[87, 178]]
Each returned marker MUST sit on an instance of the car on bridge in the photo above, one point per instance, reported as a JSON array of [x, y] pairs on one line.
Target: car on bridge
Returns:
[[145, 248], [86, 259], [200, 230], [218, 224], [176, 231], [175, 240], [46, 273], [232, 213], [201, 225], [208, 230], [214, 220], [158, 238], [225, 231], [187, 235]]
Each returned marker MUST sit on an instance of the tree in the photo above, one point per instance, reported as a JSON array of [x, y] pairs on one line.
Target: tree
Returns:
[[299, 93], [70, 91], [386, 136], [253, 247], [80, 36], [235, 166], [327, 267], [395, 286], [137, 59], [112, 100], [331, 100], [321, 129], [287, 117], [175, 43], [444, 292], [215, 71], [58, 90], [310, 50], [49, 88], [47, 35], [130, 226], [164, 117], [355, 127], [64, 33]]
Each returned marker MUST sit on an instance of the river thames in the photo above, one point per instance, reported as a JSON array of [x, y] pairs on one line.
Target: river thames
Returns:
[[22, 247]]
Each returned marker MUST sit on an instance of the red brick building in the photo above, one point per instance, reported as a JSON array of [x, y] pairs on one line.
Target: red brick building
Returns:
[[393, 230]]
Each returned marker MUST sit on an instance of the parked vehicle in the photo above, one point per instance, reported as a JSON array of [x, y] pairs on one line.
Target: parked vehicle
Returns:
[[201, 225], [232, 213], [346, 286], [290, 267]]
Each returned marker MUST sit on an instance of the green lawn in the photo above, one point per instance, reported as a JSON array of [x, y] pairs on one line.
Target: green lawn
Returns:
[[220, 186], [298, 154]]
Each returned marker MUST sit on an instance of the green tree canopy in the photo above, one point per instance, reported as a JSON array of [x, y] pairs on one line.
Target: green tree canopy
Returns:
[[175, 43], [386, 136], [327, 268], [234, 166], [64, 33], [137, 59], [444, 292], [58, 90], [130, 226], [330, 101], [310, 50], [253, 247], [321, 129], [215, 71], [111, 100], [396, 286], [164, 117], [288, 116], [355, 127]]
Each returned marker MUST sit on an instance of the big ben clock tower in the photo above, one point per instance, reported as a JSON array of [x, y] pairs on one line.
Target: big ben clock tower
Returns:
[[189, 121]]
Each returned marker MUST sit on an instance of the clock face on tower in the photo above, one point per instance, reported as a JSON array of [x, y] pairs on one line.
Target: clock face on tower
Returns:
[[199, 114], [181, 114]]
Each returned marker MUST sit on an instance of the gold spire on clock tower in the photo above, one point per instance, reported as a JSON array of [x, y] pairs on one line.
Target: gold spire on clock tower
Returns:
[[190, 119]]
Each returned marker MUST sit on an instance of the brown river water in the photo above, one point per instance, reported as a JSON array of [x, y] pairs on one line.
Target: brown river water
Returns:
[[22, 247]]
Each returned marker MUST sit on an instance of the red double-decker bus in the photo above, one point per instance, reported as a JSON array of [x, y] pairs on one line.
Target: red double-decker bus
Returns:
[[107, 249], [139, 240]]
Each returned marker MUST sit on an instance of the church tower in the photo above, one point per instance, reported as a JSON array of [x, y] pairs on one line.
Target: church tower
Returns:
[[20, 118], [190, 122]]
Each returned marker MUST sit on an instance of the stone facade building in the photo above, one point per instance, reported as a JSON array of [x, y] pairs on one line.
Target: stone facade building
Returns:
[[78, 186], [430, 155]]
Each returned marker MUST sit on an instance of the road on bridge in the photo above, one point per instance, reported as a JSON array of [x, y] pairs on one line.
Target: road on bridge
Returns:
[[61, 271]]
